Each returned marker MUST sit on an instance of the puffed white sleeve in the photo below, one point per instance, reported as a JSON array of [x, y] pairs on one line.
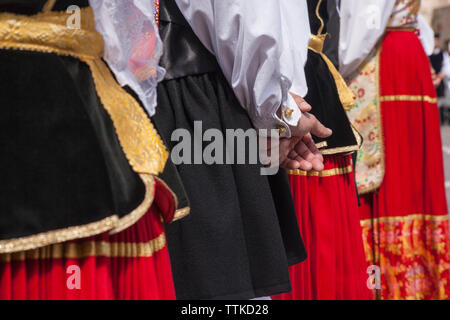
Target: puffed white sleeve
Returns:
[[362, 25], [261, 48], [132, 45], [426, 35]]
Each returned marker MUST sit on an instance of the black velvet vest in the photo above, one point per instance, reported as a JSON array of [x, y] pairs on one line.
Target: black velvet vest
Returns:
[[184, 54], [61, 162], [323, 95]]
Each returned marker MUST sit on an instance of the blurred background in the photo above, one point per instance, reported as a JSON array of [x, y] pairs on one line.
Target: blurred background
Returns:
[[437, 14]]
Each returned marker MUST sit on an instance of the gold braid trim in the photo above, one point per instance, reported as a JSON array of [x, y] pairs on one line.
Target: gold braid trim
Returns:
[[409, 98], [140, 141], [112, 223], [57, 236], [47, 32], [322, 144], [425, 217], [73, 250], [181, 213], [322, 174], [322, 23]]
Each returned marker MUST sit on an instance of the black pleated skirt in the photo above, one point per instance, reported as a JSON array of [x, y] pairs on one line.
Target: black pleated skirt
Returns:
[[242, 233]]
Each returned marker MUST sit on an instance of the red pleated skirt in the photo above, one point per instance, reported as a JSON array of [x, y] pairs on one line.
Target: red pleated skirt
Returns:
[[133, 264], [405, 222], [327, 213]]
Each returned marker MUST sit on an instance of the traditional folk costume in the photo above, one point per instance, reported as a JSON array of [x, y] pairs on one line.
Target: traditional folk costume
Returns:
[[326, 202], [399, 171], [83, 210], [242, 233]]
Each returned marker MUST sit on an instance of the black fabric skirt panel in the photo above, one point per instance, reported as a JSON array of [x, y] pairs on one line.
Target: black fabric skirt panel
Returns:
[[231, 246], [326, 106], [282, 197], [61, 164]]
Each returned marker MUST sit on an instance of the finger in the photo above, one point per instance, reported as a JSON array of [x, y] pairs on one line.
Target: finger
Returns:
[[301, 103], [293, 154], [305, 107], [317, 159], [284, 150], [304, 164], [308, 140], [316, 163], [291, 164], [304, 152], [319, 130]]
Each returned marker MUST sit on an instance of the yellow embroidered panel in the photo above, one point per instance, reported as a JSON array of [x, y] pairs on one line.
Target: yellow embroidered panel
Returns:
[[366, 118]]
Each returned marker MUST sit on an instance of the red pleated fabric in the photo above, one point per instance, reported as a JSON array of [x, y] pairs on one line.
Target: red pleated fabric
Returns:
[[133, 264], [327, 213], [405, 222]]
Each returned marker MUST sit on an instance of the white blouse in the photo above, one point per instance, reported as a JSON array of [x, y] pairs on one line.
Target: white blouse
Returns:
[[363, 23], [132, 45], [261, 47], [426, 35]]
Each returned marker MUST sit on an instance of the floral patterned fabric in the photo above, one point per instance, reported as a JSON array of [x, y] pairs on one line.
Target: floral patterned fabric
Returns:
[[404, 14], [413, 254], [365, 116]]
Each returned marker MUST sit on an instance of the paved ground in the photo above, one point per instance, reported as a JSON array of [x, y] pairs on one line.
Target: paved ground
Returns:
[[446, 148]]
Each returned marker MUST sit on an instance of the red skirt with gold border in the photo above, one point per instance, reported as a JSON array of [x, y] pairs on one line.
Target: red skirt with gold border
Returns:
[[132, 264], [327, 214], [405, 222]]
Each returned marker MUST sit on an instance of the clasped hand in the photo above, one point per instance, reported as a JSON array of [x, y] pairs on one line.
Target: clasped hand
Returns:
[[300, 151]]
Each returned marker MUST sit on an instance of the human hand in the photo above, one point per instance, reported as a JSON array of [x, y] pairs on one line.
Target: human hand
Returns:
[[308, 122]]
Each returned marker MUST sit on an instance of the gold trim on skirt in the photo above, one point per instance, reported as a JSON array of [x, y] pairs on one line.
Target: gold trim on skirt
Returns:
[[322, 174], [86, 249]]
